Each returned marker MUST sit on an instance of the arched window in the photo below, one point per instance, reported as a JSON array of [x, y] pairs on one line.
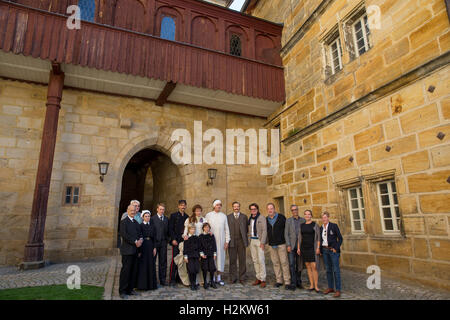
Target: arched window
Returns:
[[87, 8], [168, 28], [235, 45]]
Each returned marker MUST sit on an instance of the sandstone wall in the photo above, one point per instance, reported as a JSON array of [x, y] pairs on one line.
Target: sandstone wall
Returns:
[[336, 129], [89, 131]]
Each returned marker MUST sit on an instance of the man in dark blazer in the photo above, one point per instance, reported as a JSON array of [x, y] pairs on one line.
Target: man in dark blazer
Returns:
[[330, 247], [238, 224], [176, 230], [131, 240], [291, 232], [161, 227]]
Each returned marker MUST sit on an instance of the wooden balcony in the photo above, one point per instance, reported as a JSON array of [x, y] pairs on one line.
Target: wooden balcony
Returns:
[[108, 58]]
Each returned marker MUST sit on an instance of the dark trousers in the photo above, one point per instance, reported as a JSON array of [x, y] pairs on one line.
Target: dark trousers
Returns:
[[296, 274], [161, 253], [128, 273], [208, 265], [331, 261], [174, 277], [193, 267], [237, 253]]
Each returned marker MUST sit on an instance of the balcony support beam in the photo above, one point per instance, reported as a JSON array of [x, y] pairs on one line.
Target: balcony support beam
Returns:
[[165, 93]]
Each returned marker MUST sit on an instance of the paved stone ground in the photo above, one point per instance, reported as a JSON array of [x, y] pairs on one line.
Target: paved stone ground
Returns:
[[105, 272], [93, 272], [353, 288]]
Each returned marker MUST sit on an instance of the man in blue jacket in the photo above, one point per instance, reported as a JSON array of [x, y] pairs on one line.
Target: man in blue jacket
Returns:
[[330, 247]]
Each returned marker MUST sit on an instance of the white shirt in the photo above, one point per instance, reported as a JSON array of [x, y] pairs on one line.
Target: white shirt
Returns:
[[252, 223], [324, 236], [159, 217]]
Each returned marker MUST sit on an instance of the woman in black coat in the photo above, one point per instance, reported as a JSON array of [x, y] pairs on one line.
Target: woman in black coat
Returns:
[[147, 268]]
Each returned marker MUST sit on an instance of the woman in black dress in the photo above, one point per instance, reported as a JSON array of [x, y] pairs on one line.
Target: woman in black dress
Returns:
[[309, 249], [147, 268]]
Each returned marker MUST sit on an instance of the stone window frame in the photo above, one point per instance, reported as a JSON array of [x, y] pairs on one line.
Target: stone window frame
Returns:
[[360, 208], [64, 195], [371, 182], [348, 23], [327, 42], [392, 206], [343, 188], [329, 74], [372, 223]]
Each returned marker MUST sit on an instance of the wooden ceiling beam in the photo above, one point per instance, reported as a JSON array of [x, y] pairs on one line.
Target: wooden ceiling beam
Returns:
[[165, 93]]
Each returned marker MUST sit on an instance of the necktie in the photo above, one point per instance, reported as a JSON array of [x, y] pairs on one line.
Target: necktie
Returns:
[[161, 218], [236, 216]]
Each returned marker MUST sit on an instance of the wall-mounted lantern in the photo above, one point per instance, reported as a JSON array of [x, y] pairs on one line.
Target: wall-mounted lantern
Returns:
[[103, 169], [211, 176]]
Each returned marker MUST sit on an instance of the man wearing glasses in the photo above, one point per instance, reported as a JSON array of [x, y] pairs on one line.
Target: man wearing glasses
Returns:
[[257, 231], [291, 234]]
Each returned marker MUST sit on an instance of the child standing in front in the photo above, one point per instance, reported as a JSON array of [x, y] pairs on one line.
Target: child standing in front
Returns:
[[208, 254], [191, 256]]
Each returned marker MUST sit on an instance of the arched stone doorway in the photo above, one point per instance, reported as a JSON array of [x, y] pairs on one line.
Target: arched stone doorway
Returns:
[[150, 177], [159, 141]]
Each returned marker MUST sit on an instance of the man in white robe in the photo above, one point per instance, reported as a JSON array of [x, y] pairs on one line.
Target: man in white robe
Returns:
[[219, 227]]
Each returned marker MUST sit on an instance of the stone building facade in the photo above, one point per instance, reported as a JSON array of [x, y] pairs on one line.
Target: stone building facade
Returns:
[[89, 132], [365, 127], [363, 111], [120, 85]]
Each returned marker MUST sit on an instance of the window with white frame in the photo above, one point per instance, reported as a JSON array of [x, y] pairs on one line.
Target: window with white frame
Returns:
[[361, 33], [332, 52], [335, 55], [357, 211], [388, 203]]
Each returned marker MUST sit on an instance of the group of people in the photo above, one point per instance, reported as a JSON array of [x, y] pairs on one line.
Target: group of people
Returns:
[[199, 244]]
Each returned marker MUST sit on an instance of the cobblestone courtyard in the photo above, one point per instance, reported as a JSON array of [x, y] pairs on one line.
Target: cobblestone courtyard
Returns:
[[105, 272]]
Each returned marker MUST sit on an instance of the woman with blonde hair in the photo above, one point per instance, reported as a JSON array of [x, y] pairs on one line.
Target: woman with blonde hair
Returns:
[[309, 249]]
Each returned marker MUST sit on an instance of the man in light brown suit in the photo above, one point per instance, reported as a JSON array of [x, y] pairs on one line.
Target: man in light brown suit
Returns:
[[257, 231], [237, 223]]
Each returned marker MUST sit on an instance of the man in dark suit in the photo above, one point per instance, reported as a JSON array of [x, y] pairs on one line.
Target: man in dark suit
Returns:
[[291, 231], [161, 225], [176, 230], [238, 224], [131, 241], [330, 247]]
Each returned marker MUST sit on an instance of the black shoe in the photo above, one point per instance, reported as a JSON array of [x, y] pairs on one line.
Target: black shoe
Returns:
[[235, 281], [197, 286], [123, 296], [173, 284], [300, 286], [192, 287], [134, 293], [277, 285], [163, 284], [205, 285], [290, 287], [213, 285]]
